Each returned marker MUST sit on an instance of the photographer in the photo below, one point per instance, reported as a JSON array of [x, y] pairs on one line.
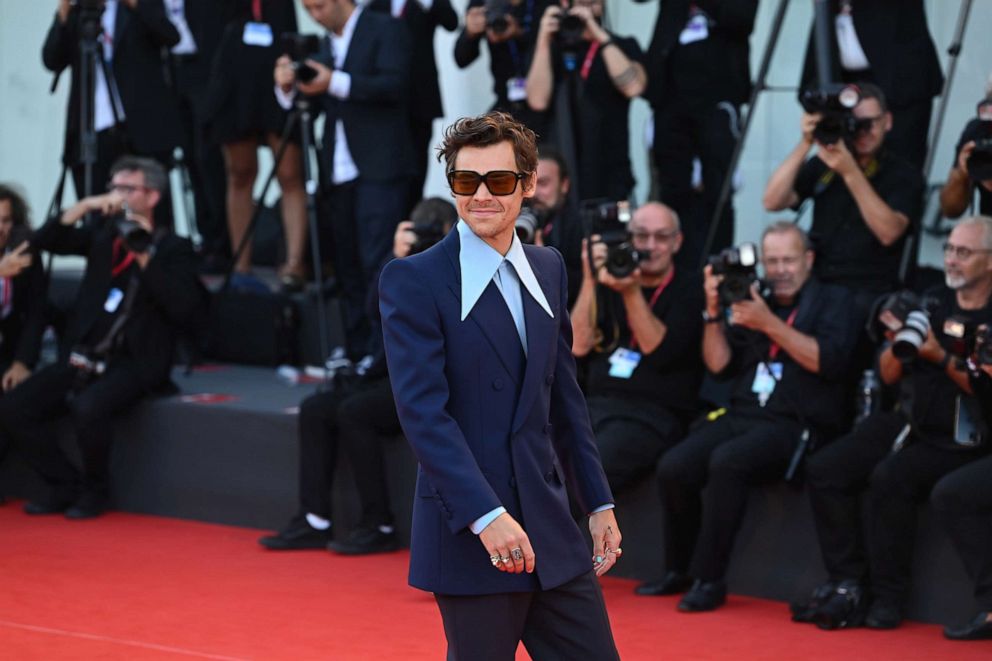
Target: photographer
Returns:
[[962, 501], [139, 289], [974, 152], [898, 456], [572, 45], [509, 29], [356, 413], [133, 110], [865, 200], [22, 293], [360, 81], [785, 357], [559, 224], [641, 333]]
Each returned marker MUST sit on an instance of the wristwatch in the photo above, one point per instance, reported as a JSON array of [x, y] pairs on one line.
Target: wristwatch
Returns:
[[711, 319]]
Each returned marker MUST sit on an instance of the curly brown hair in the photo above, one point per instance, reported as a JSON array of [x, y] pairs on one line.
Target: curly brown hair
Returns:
[[18, 207], [490, 129]]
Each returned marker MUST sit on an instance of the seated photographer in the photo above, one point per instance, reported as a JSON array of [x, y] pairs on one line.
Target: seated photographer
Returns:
[[785, 356], [139, 289], [356, 411], [559, 224], [962, 501], [864, 198], [641, 330], [22, 293], [897, 457], [509, 29], [573, 45], [972, 170]]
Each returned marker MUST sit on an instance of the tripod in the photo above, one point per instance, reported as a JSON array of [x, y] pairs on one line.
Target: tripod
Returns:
[[300, 116]]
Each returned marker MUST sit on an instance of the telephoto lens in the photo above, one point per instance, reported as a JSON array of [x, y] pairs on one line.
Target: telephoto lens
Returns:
[[908, 340]]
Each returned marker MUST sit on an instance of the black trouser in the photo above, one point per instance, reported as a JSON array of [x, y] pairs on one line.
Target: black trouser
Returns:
[[629, 447], [355, 418], [684, 129], [420, 132], [962, 501], [567, 622], [896, 485], [28, 412], [726, 456]]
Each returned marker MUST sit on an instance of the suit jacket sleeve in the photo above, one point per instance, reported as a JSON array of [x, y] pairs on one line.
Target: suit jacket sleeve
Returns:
[[157, 26], [467, 48], [443, 15], [415, 356], [572, 431], [733, 16], [59, 239], [56, 54], [391, 76]]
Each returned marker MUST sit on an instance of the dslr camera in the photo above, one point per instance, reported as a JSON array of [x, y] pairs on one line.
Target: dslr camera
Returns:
[[299, 47], [908, 316], [980, 160], [428, 233], [570, 30], [610, 221], [835, 103], [529, 222], [739, 268], [496, 13]]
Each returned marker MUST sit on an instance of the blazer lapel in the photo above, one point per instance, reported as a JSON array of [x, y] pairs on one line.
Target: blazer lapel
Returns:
[[541, 337], [357, 43], [120, 24]]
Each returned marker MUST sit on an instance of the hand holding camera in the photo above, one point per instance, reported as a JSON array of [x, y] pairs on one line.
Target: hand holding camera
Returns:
[[63, 11], [505, 29], [838, 158], [752, 313], [475, 22], [550, 23]]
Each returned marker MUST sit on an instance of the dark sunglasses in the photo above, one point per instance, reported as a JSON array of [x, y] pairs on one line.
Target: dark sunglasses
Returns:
[[498, 182]]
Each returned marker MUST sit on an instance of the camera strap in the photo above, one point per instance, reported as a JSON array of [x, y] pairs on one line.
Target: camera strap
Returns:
[[256, 10], [103, 347], [120, 264], [774, 348], [587, 62], [655, 295]]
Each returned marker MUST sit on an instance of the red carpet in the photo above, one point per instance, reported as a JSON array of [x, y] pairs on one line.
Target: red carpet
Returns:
[[139, 587]]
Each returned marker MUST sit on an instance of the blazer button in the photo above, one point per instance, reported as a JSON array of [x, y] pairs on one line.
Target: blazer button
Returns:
[[549, 379], [497, 384]]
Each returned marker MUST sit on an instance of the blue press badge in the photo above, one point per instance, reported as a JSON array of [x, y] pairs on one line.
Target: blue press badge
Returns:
[[113, 301], [623, 362], [696, 29], [257, 34], [766, 377]]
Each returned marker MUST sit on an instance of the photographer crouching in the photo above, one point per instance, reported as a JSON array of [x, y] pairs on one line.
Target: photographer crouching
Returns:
[[785, 356], [139, 289], [898, 456], [640, 328]]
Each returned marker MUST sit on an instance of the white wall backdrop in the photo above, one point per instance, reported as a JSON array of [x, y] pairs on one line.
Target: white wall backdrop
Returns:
[[32, 119]]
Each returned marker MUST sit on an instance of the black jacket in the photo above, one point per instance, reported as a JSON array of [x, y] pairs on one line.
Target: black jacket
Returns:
[[140, 35], [425, 94], [21, 331], [168, 300]]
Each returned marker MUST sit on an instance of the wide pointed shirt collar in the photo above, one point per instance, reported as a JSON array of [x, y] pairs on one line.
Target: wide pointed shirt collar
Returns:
[[479, 262]]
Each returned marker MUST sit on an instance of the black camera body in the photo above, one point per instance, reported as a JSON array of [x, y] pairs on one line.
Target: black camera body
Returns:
[[496, 13], [835, 103], [570, 31], [980, 160], [529, 222], [739, 268], [299, 47], [908, 316], [427, 234], [610, 221]]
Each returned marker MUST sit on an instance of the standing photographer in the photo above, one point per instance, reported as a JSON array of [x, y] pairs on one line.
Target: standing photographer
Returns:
[[785, 358], [139, 289], [864, 200], [641, 332], [603, 72], [972, 170], [898, 456]]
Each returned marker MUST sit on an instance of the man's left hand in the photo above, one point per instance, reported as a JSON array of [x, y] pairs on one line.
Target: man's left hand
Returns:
[[620, 285], [606, 539], [319, 85], [592, 25], [15, 375], [838, 158], [754, 314]]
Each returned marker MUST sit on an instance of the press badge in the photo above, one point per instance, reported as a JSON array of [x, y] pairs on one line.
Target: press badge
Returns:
[[765, 381], [113, 301], [257, 34], [623, 362], [696, 29], [516, 89]]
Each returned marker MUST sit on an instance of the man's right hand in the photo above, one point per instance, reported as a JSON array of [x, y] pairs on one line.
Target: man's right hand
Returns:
[[106, 204], [501, 538], [808, 124], [964, 155], [15, 261], [711, 287], [550, 22], [403, 239], [63, 11], [284, 74], [475, 22]]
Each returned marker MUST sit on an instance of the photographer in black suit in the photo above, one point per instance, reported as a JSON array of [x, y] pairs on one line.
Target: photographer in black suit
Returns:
[[897, 457], [139, 289], [134, 110], [362, 86]]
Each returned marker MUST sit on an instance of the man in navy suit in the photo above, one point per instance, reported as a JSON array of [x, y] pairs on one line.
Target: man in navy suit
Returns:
[[478, 344]]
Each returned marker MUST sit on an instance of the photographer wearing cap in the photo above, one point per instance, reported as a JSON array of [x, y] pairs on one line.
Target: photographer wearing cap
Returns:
[[641, 333], [972, 169], [785, 357], [898, 456], [864, 199], [573, 46], [357, 411], [139, 289]]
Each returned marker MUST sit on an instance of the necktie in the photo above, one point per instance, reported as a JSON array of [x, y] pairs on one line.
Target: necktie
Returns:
[[509, 286]]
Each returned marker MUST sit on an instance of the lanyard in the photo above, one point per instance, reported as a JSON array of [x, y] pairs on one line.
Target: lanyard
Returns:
[[512, 43], [256, 10], [775, 348], [587, 63], [121, 265], [654, 299]]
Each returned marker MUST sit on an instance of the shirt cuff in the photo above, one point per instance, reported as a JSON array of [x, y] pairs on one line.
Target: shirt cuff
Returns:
[[284, 99], [602, 508], [480, 524], [340, 86]]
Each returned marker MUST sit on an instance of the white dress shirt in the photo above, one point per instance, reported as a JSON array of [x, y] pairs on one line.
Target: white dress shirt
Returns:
[[104, 92], [176, 11]]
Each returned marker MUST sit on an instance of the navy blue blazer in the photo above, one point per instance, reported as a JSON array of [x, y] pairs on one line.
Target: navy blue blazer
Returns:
[[489, 426]]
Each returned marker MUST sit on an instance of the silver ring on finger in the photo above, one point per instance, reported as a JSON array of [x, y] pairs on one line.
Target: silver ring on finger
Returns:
[[517, 554]]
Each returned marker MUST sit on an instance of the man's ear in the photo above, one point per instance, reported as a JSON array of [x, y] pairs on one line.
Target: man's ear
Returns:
[[566, 185], [888, 121]]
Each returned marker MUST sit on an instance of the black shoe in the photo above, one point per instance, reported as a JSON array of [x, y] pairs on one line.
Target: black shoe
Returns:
[[296, 536], [805, 611], [704, 596], [978, 629], [88, 506], [672, 583], [364, 541], [842, 608], [883, 614]]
